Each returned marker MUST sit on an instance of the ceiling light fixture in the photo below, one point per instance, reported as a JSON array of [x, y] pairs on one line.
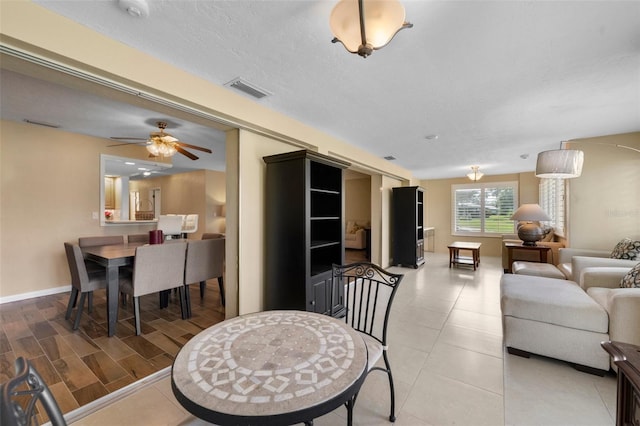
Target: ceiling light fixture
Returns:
[[475, 175], [363, 26], [162, 144]]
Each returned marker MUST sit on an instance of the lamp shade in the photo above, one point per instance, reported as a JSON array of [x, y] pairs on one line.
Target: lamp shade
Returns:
[[366, 25], [530, 212], [560, 163]]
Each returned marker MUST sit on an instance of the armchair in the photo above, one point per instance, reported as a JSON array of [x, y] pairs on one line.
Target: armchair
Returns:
[[355, 236]]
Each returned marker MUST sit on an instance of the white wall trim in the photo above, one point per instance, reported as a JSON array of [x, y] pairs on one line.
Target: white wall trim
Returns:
[[32, 294]]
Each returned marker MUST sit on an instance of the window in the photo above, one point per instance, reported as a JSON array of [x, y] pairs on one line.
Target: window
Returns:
[[551, 199], [484, 209]]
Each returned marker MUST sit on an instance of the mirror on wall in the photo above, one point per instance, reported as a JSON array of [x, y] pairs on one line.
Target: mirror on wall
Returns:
[[123, 196]]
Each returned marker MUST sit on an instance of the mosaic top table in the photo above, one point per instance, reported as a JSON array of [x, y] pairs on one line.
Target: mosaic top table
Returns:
[[270, 368]]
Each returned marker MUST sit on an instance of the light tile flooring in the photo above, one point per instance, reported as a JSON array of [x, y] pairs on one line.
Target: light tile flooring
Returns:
[[448, 362]]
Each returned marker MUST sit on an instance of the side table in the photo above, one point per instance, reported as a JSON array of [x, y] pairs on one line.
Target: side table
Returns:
[[542, 251], [627, 358], [456, 259]]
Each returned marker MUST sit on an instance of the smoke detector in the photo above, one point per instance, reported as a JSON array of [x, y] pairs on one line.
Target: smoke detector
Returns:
[[135, 8]]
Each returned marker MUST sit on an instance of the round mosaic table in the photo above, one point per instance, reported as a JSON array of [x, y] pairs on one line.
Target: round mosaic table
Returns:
[[269, 368]]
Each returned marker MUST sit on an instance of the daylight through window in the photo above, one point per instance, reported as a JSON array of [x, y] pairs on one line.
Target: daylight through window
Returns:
[[484, 209]]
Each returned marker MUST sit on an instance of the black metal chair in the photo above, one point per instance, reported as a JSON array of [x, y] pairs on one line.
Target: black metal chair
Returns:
[[368, 294], [20, 395]]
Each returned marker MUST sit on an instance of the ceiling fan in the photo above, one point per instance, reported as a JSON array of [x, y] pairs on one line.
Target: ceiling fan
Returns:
[[161, 144]]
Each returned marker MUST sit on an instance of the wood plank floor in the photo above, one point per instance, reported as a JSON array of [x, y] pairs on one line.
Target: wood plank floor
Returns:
[[83, 365]]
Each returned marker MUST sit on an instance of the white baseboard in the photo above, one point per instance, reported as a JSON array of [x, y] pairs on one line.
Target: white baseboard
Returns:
[[32, 294]]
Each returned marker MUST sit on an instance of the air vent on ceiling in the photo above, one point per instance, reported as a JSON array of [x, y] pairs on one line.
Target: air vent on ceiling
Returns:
[[247, 88], [390, 157]]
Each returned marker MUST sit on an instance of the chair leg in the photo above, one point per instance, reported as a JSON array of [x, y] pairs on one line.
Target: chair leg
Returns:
[[183, 301], [90, 307], [392, 416], [187, 300], [79, 311], [136, 314], [350, 403], [221, 286], [73, 297], [203, 285]]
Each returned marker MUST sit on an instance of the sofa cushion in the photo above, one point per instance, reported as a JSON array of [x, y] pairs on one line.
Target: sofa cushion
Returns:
[[552, 301], [632, 279], [626, 249], [537, 269]]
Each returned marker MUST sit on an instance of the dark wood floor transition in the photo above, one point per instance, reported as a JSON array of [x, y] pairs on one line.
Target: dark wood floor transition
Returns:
[[83, 365]]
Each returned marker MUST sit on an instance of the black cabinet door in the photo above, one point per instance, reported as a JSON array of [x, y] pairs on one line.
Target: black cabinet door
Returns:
[[320, 297]]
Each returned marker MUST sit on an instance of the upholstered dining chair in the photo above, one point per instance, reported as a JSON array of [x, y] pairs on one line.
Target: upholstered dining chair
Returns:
[[100, 240], [156, 267], [368, 294], [205, 260], [82, 281], [20, 395], [138, 238]]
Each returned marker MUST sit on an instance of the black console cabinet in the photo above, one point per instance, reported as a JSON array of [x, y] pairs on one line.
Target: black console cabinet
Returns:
[[304, 231], [408, 226]]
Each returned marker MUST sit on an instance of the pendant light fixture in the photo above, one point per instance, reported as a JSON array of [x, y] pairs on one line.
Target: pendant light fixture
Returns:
[[475, 175], [363, 26], [560, 164]]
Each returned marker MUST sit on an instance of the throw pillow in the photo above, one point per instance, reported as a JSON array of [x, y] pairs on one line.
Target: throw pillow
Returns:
[[626, 249], [351, 227], [632, 279]]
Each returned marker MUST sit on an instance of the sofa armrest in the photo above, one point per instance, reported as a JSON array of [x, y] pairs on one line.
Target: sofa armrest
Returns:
[[602, 276], [623, 307], [567, 253], [579, 263]]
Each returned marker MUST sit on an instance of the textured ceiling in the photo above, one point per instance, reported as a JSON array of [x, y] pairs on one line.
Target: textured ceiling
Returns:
[[494, 80]]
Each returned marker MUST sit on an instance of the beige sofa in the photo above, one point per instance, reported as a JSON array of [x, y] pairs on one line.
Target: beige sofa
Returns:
[[355, 236], [572, 261], [568, 320]]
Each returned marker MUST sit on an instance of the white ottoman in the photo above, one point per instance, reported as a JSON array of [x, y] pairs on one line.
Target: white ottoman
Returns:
[[554, 318], [537, 269]]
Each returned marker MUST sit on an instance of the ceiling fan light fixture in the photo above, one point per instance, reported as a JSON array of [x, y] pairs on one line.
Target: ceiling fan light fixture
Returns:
[[475, 175], [363, 26]]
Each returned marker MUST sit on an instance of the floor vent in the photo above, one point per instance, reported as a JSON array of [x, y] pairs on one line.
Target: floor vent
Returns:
[[247, 88]]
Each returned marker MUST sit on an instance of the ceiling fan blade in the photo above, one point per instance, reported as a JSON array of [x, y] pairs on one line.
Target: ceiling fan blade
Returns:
[[122, 138], [199, 148], [186, 153], [128, 143]]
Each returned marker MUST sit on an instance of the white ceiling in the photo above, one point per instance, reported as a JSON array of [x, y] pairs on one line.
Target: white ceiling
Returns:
[[495, 80]]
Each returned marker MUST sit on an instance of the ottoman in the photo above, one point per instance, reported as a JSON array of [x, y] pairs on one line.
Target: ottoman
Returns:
[[555, 318], [537, 269]]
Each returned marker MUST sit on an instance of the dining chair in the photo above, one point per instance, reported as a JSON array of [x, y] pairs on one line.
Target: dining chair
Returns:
[[205, 260], [101, 240], [82, 281], [156, 268], [138, 238], [212, 235], [170, 225], [20, 395], [369, 291]]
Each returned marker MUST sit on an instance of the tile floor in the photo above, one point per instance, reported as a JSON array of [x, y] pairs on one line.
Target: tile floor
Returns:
[[448, 362]]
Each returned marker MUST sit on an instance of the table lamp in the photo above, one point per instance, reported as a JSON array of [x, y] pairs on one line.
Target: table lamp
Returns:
[[530, 232]]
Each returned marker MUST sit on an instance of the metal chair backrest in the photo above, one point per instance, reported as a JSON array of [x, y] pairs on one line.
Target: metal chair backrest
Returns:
[[205, 260], [368, 294], [158, 267], [20, 395], [103, 240]]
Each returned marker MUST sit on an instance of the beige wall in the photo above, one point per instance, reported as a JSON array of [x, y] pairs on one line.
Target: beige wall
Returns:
[[605, 200], [48, 197], [438, 210], [357, 203]]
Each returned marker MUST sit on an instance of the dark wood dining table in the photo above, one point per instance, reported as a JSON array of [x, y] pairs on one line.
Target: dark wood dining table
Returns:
[[270, 368], [112, 257]]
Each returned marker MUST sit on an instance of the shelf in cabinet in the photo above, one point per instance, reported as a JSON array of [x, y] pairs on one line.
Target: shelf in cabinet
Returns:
[[323, 243]]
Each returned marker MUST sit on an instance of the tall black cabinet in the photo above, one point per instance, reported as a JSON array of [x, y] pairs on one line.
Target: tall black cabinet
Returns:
[[408, 226], [304, 231]]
